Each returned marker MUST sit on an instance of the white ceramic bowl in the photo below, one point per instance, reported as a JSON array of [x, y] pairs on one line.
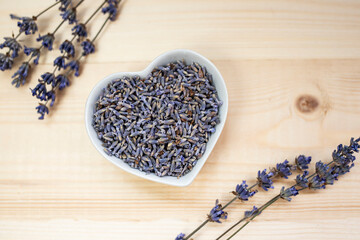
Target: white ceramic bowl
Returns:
[[171, 56]]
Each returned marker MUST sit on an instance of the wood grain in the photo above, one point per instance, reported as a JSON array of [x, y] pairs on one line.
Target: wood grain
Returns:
[[54, 185]]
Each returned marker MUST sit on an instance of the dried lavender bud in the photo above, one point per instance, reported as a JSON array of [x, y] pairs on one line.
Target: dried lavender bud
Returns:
[[88, 47], [111, 9], [47, 40], [80, 31], [62, 81], [242, 191], [26, 24], [48, 78], [59, 62], [321, 169], [286, 194], [302, 162], [217, 213], [19, 77], [330, 177], [74, 66], [70, 15], [180, 236], [159, 124], [283, 169], [68, 48], [301, 180], [51, 96], [34, 52], [6, 61], [42, 109], [342, 169], [251, 213], [264, 179], [40, 91], [316, 183], [12, 44]]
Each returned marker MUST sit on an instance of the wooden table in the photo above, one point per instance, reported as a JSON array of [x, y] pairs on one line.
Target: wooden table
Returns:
[[55, 185]]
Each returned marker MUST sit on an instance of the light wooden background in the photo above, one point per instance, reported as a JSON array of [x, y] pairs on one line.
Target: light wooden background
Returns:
[[55, 185]]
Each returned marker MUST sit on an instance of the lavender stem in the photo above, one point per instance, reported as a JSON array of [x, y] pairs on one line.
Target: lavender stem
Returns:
[[94, 13], [261, 209], [102, 27], [225, 206], [197, 229], [51, 6]]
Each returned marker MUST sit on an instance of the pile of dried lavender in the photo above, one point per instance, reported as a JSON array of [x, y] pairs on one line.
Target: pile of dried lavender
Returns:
[[159, 124]]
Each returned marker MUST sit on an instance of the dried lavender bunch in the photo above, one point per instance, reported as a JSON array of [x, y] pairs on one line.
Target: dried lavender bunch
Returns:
[[264, 181], [66, 61], [27, 25], [20, 76], [160, 124], [325, 174]]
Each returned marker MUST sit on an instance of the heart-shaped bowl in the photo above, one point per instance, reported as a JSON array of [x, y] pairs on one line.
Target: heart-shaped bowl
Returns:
[[171, 56]]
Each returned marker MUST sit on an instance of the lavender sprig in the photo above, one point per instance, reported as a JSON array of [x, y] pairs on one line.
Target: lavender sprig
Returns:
[[343, 159], [26, 25], [62, 81], [264, 181], [19, 78], [324, 175]]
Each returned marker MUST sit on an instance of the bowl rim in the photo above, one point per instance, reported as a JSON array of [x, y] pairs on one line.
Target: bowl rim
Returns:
[[89, 106]]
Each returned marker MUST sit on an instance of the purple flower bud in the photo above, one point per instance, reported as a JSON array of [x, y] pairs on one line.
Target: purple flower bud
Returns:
[[88, 47], [180, 236], [70, 15], [242, 192], [251, 213], [217, 213], [20, 75], [40, 91], [62, 81], [49, 78], [42, 109], [59, 62], [6, 61], [51, 96], [302, 162], [301, 180], [288, 193], [47, 40], [317, 183], [13, 46], [264, 179], [35, 52], [80, 31], [68, 48], [74, 66], [283, 169], [111, 9], [26, 24]]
